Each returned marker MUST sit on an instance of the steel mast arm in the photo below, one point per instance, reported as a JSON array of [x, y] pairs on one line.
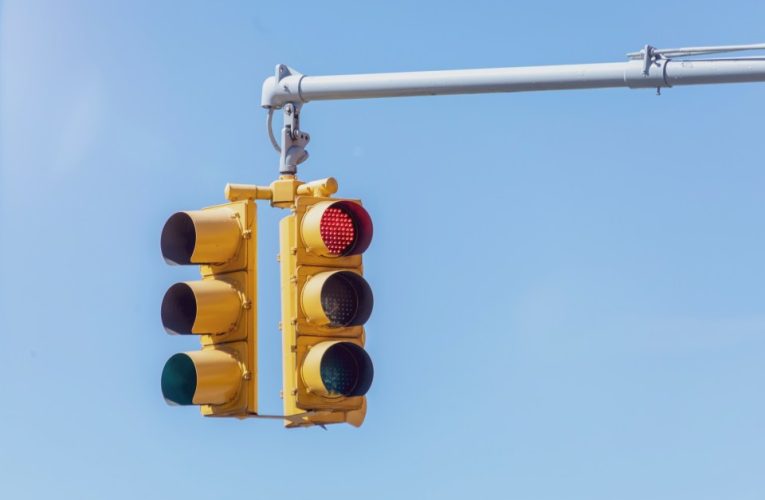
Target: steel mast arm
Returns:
[[649, 68]]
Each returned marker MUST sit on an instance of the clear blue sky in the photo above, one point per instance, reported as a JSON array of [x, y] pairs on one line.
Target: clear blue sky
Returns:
[[569, 286]]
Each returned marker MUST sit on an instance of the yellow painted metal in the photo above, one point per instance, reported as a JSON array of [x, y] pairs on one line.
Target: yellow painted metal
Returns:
[[310, 369], [245, 323], [241, 340], [321, 187], [288, 264], [217, 235], [238, 192], [226, 299], [301, 267], [218, 305], [219, 377], [283, 191], [356, 417], [244, 403], [310, 298], [207, 307], [214, 237], [298, 402]]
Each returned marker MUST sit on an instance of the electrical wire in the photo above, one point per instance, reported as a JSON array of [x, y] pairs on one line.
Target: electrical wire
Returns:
[[271, 137]]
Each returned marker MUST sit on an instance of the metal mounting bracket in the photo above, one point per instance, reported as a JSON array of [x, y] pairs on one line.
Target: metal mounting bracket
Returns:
[[299, 419], [292, 150], [649, 57], [294, 141]]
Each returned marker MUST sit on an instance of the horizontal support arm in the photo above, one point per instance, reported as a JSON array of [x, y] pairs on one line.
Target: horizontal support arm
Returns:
[[290, 86]]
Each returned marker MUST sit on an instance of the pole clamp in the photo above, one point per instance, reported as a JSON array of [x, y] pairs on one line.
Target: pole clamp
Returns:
[[292, 151]]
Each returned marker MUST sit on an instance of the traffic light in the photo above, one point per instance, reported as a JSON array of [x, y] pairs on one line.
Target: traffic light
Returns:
[[220, 308], [325, 303]]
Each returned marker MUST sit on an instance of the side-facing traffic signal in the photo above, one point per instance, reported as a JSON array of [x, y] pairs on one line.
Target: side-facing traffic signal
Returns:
[[325, 303], [220, 308]]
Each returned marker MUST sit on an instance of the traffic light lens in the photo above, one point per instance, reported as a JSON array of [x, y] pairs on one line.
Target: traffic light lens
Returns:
[[339, 300], [337, 230], [346, 370], [346, 299], [179, 309], [179, 380], [178, 239]]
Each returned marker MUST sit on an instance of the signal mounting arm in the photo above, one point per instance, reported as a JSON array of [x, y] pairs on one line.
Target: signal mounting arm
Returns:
[[648, 68]]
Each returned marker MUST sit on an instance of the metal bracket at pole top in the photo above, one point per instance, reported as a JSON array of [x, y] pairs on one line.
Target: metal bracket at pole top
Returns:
[[292, 150], [294, 141]]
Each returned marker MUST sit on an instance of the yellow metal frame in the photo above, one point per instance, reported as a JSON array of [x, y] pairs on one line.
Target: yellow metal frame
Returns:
[[245, 322], [242, 341], [298, 263], [299, 335], [245, 403], [244, 212]]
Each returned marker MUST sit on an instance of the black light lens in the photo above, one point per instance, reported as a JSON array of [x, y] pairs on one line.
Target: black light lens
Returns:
[[346, 370], [178, 239], [346, 299], [179, 309]]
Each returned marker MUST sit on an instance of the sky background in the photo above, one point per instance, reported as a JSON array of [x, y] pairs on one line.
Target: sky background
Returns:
[[569, 286]]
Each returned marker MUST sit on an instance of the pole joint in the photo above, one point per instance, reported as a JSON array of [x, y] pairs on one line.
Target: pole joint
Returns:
[[282, 91], [294, 140]]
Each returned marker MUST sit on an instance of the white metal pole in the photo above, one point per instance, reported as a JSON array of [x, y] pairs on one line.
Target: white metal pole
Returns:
[[648, 68], [290, 86]]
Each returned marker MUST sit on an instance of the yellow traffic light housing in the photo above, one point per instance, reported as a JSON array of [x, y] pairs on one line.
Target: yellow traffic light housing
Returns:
[[222, 377], [325, 303]]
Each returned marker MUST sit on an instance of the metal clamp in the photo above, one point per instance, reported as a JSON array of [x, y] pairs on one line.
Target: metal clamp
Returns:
[[294, 141], [292, 150], [650, 54]]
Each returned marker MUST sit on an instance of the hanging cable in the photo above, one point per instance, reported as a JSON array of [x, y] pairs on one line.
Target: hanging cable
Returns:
[[271, 137]]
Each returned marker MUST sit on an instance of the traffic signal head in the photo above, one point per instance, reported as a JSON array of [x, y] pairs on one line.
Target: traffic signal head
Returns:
[[334, 228], [210, 236], [337, 299], [195, 378], [337, 368], [207, 307], [219, 307], [325, 303]]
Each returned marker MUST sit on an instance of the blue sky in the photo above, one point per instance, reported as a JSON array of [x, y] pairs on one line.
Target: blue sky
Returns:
[[568, 286]]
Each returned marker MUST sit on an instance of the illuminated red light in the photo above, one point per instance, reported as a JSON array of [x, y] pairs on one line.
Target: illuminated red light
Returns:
[[338, 230]]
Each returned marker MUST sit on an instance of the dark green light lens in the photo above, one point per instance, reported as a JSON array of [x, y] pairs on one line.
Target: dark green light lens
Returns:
[[346, 370], [179, 380], [339, 371]]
